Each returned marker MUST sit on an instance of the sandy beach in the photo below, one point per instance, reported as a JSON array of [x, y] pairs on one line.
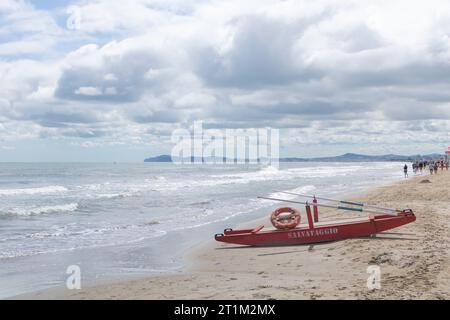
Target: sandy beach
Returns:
[[413, 259]]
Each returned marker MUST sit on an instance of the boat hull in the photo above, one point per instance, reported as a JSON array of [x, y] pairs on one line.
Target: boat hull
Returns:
[[317, 234]]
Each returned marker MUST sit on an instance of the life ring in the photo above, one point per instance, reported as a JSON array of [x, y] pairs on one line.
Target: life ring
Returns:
[[285, 221]]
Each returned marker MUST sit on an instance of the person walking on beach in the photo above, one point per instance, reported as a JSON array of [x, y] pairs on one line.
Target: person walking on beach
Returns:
[[431, 167], [436, 167], [405, 170]]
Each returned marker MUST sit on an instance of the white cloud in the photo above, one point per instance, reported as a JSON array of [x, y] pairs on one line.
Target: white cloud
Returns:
[[88, 91], [26, 29], [110, 77], [310, 66], [22, 78], [23, 47]]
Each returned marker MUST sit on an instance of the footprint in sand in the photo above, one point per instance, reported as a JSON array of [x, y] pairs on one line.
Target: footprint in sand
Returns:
[[380, 259]]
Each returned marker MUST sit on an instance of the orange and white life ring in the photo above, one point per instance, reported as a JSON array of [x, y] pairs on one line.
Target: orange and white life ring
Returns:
[[285, 218]]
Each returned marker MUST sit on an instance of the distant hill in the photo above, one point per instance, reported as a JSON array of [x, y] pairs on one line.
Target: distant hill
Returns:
[[348, 157], [161, 158], [354, 157]]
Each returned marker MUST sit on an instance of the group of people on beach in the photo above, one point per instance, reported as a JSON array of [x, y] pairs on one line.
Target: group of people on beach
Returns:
[[432, 165]]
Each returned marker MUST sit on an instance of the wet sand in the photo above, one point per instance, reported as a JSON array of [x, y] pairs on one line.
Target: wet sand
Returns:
[[413, 260]]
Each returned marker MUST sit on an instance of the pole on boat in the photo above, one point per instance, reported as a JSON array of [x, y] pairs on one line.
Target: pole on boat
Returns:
[[310, 218], [316, 210], [329, 206], [359, 204]]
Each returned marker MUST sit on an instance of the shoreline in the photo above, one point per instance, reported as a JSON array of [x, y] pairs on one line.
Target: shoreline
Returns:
[[336, 270]]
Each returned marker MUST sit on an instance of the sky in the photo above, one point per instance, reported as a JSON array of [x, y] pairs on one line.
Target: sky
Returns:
[[111, 80]]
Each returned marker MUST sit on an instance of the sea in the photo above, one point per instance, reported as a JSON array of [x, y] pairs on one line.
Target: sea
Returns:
[[118, 220]]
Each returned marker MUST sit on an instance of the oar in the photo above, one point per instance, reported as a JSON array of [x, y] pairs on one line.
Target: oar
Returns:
[[328, 206], [360, 204]]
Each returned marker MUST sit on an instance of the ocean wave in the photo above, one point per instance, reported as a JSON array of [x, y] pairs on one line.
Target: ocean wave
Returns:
[[263, 172], [108, 190], [207, 216], [112, 190], [192, 222], [110, 196], [324, 171], [282, 195], [32, 191], [66, 232], [268, 173], [30, 211], [38, 248]]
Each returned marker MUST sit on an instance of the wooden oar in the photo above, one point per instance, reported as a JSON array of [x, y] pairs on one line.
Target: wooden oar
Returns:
[[328, 206], [359, 204]]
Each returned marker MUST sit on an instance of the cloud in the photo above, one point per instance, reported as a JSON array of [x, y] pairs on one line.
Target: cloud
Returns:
[[26, 30], [88, 91], [346, 71], [118, 71], [25, 79], [261, 52], [409, 109]]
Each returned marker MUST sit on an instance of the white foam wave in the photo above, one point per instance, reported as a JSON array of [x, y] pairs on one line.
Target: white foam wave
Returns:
[[265, 174], [32, 191], [29, 211], [281, 195], [112, 195], [109, 190], [112, 190]]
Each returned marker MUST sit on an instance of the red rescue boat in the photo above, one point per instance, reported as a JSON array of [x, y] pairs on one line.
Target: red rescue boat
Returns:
[[315, 231]]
